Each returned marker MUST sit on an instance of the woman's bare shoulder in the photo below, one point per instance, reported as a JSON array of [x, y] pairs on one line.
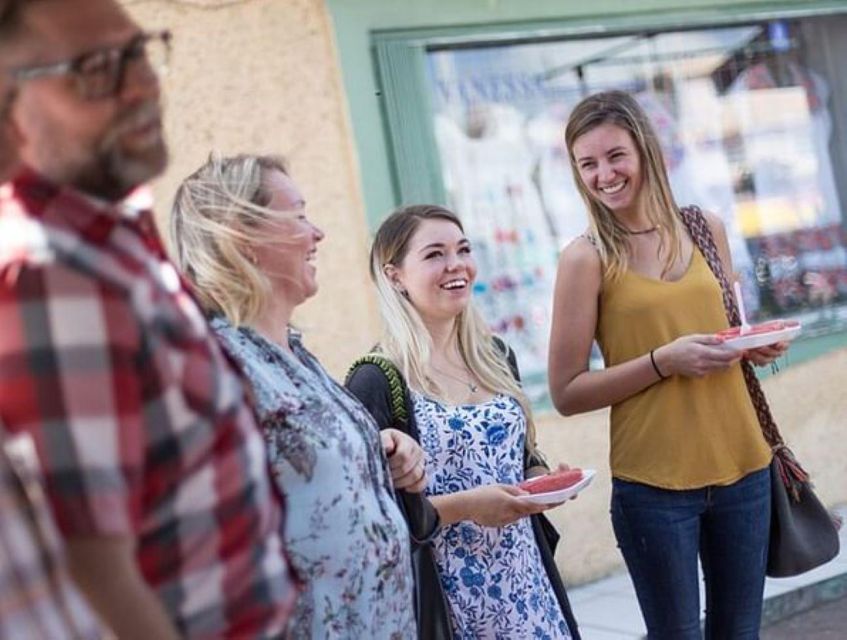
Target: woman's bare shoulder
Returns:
[[714, 221], [581, 251], [580, 262]]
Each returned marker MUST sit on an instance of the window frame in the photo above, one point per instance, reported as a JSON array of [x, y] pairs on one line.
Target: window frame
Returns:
[[407, 112]]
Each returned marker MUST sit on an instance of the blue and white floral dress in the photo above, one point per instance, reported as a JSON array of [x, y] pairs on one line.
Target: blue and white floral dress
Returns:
[[343, 531], [494, 578]]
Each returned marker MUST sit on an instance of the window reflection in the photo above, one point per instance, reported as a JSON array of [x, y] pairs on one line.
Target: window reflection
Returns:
[[746, 126]]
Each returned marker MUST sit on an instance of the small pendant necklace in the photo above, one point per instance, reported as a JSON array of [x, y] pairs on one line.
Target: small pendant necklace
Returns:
[[470, 385]]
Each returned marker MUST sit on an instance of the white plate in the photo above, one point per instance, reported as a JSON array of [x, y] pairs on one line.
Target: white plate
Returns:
[[763, 339], [552, 497]]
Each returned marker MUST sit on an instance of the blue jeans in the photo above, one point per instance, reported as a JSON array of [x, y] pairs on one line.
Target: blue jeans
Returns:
[[660, 534]]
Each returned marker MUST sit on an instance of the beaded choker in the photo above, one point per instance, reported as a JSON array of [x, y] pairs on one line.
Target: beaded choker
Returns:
[[641, 232]]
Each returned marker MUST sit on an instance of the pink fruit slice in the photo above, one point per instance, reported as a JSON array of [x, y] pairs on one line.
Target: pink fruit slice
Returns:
[[764, 327], [553, 481]]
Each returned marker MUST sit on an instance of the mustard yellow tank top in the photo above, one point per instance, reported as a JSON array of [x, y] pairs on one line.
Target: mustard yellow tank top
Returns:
[[680, 433]]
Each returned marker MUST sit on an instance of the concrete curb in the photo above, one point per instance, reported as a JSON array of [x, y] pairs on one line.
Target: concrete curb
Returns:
[[785, 605]]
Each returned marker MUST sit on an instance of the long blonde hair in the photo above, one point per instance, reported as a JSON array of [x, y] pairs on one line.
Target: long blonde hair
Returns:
[[217, 216], [406, 340], [621, 109]]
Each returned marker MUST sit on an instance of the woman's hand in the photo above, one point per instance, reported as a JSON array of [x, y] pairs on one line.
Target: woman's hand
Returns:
[[767, 354], [562, 466], [497, 505], [695, 356], [538, 471], [405, 460]]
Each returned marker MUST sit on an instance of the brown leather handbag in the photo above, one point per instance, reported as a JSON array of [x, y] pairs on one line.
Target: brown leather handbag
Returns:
[[803, 533]]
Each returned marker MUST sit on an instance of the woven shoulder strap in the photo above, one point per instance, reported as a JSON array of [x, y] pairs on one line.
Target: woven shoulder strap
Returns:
[[396, 384], [790, 470]]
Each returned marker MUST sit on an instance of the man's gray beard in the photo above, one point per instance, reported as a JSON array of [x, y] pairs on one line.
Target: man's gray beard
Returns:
[[125, 173], [112, 176]]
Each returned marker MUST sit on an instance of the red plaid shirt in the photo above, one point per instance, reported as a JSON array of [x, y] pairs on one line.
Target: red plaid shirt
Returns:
[[140, 421], [37, 596]]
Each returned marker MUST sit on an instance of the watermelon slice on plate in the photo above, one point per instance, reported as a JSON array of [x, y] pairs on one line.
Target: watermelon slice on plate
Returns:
[[760, 335], [556, 486]]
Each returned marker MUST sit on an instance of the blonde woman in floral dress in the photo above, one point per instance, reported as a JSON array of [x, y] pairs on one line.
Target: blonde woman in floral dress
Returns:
[[241, 234], [467, 410]]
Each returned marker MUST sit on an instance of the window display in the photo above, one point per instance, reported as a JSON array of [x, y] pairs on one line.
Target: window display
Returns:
[[746, 126]]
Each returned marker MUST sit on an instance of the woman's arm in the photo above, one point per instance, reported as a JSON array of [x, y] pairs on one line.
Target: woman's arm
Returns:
[[370, 386], [105, 570], [405, 456], [575, 389], [491, 506], [405, 460], [494, 505]]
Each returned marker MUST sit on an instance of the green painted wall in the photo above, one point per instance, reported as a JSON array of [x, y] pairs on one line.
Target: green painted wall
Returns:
[[356, 22]]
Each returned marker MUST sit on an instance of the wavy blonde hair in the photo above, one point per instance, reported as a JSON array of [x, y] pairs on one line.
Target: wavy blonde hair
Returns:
[[622, 110], [406, 340], [218, 214]]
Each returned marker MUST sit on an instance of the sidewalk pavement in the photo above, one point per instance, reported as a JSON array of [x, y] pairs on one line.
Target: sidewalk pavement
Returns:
[[608, 610], [824, 622]]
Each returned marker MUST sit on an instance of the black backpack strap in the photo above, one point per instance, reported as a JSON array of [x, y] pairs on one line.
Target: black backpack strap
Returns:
[[396, 384], [509, 355], [532, 457]]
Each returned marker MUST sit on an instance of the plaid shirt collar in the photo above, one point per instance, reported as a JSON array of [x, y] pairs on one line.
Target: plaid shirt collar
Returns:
[[67, 208]]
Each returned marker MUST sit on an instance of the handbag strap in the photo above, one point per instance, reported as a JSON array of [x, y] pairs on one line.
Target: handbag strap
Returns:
[[790, 470]]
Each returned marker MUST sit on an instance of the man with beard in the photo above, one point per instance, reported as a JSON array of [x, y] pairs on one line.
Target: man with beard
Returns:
[[37, 597], [154, 466]]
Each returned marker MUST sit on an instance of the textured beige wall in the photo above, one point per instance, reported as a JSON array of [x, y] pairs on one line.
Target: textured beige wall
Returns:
[[263, 76], [809, 402]]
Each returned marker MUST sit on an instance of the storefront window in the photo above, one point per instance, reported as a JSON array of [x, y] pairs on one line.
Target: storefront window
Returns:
[[746, 124]]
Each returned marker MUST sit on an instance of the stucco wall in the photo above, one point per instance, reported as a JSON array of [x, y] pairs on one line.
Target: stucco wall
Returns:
[[263, 76]]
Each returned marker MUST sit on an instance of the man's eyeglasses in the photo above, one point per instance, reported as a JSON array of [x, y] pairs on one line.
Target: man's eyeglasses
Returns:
[[100, 74]]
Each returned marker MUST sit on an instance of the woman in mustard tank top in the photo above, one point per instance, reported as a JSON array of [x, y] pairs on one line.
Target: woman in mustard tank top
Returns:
[[689, 462]]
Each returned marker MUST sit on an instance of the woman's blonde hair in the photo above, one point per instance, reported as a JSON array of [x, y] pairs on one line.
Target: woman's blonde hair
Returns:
[[622, 110], [406, 340], [218, 214]]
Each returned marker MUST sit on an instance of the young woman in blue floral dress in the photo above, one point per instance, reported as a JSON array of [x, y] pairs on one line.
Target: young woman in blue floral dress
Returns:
[[473, 422]]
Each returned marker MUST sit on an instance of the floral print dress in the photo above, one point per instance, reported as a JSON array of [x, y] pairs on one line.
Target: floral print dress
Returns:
[[494, 578], [344, 533]]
